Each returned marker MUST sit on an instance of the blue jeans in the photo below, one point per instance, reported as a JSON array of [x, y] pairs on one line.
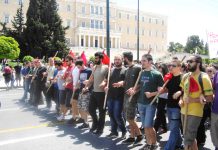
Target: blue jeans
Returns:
[[115, 107], [26, 88], [147, 113], [175, 139]]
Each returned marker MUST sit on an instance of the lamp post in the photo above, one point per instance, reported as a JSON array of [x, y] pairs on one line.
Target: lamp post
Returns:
[[138, 34], [108, 27]]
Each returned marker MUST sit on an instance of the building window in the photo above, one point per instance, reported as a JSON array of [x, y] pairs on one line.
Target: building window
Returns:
[[150, 33], [127, 44], [163, 35], [83, 10], [120, 15], [142, 46], [162, 22], [96, 10], [92, 10], [101, 11], [20, 2], [127, 16], [136, 31], [149, 46], [120, 29], [156, 34], [143, 32], [68, 8], [143, 19], [96, 24], [6, 19], [156, 21], [149, 20], [83, 24], [92, 24], [101, 24], [69, 23], [136, 18], [127, 30]]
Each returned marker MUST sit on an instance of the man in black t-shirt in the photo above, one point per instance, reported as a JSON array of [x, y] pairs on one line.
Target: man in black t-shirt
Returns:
[[115, 97]]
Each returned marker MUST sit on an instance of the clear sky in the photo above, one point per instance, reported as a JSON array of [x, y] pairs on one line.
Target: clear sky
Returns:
[[185, 17]]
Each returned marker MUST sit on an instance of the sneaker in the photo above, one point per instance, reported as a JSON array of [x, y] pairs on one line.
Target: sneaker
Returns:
[[98, 132], [71, 121], [130, 140], [153, 147], [112, 135], [61, 118], [93, 128], [84, 125], [80, 120], [138, 139], [145, 147]]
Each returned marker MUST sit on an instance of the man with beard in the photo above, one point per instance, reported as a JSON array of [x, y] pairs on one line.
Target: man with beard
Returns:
[[115, 97], [130, 106], [39, 83], [195, 95], [97, 97]]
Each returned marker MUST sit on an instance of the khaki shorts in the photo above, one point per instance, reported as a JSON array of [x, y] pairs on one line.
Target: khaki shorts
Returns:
[[193, 123], [83, 101], [130, 107], [214, 129]]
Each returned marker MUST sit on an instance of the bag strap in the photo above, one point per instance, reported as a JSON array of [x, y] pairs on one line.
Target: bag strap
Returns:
[[201, 82]]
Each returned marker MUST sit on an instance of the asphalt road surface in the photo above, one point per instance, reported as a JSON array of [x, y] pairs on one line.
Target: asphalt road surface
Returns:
[[22, 127]]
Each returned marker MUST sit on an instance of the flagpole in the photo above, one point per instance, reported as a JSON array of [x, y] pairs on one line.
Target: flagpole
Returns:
[[108, 27], [138, 34]]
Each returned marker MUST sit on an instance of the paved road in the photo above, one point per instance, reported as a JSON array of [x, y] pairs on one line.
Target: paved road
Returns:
[[22, 127]]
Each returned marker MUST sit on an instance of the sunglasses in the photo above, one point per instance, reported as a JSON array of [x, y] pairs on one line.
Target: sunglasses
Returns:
[[190, 61], [172, 65], [209, 71]]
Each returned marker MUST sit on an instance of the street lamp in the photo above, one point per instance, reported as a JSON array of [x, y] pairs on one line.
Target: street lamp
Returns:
[[138, 34], [108, 27]]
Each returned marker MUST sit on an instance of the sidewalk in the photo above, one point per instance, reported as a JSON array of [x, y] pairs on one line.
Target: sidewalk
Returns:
[[3, 85]]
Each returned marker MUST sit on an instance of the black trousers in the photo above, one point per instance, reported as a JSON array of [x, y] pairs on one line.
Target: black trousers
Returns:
[[97, 102], [38, 89]]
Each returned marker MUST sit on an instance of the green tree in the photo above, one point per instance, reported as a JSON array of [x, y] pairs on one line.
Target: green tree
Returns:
[[27, 58], [9, 48], [49, 34], [175, 47], [4, 30], [17, 31], [194, 42]]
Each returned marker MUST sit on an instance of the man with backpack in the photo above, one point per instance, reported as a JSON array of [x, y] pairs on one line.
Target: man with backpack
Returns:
[[197, 90]]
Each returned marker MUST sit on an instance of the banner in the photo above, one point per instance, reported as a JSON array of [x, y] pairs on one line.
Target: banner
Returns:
[[212, 39]]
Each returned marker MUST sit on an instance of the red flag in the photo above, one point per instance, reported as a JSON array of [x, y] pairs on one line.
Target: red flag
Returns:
[[83, 57], [106, 59], [168, 76], [193, 85], [71, 53]]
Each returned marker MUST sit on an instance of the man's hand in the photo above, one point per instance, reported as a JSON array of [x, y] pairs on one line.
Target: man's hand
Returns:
[[106, 89], [202, 99], [181, 103], [84, 90], [118, 84], [148, 94], [130, 91], [177, 95]]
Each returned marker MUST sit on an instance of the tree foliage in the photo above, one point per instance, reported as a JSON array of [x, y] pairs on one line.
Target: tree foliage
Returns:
[[27, 58], [175, 47], [9, 48], [44, 31], [194, 44]]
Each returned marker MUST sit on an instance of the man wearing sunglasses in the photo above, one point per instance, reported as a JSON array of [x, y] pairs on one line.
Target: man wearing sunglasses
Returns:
[[193, 99]]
